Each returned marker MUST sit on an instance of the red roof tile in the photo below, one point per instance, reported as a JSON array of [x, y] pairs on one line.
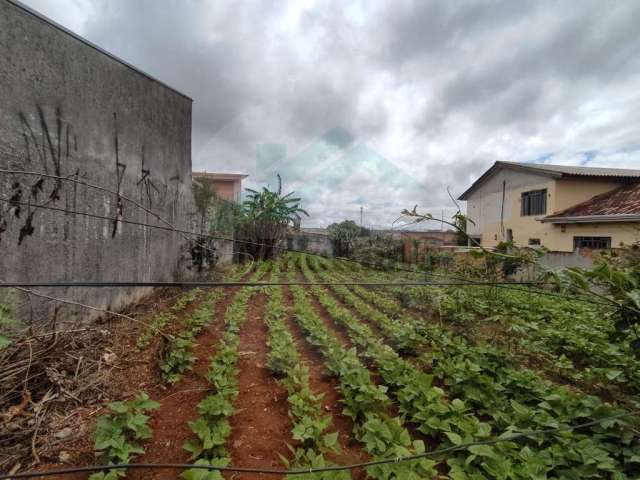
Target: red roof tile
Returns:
[[621, 201]]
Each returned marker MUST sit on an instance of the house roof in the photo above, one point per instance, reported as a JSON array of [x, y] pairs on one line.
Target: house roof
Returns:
[[555, 171], [619, 205]]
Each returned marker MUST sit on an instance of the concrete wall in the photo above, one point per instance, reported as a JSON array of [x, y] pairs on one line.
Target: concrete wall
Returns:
[[309, 242], [555, 261], [484, 208], [70, 110]]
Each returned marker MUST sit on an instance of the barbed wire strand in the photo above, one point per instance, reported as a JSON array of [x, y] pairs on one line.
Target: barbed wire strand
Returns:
[[275, 284], [118, 194], [90, 307], [185, 233], [333, 468], [326, 257], [241, 284]]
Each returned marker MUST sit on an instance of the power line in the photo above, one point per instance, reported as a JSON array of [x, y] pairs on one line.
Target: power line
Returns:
[[307, 471], [217, 237], [103, 217], [118, 194], [508, 285], [240, 284], [90, 185]]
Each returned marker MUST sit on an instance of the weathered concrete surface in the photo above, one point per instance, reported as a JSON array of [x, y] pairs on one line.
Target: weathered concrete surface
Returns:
[[310, 242], [68, 109]]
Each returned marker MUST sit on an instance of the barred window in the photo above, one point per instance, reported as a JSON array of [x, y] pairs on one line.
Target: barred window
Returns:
[[596, 243], [534, 203]]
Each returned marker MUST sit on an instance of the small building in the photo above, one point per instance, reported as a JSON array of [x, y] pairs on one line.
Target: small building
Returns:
[[617, 209], [559, 207], [431, 238], [228, 186], [415, 244]]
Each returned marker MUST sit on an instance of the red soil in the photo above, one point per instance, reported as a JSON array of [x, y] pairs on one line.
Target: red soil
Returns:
[[260, 427], [135, 371], [178, 404], [351, 449], [341, 332]]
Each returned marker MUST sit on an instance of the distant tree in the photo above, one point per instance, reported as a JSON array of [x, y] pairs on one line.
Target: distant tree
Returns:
[[460, 222], [265, 217], [204, 196], [343, 235], [203, 249]]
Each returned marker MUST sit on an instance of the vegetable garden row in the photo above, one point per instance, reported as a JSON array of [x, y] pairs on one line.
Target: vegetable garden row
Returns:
[[417, 369]]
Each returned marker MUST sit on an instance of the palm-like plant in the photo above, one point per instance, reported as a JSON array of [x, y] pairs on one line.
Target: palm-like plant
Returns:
[[265, 217]]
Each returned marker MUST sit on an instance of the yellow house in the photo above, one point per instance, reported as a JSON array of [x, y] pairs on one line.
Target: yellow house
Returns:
[[559, 207]]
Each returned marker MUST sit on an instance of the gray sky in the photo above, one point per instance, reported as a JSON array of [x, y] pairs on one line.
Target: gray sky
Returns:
[[384, 104]]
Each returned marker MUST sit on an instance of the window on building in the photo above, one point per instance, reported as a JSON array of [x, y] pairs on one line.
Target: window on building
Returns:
[[534, 203], [596, 243], [509, 235], [534, 241], [475, 240]]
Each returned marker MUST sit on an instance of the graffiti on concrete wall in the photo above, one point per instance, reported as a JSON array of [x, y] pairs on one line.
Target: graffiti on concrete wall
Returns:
[[50, 146], [47, 146]]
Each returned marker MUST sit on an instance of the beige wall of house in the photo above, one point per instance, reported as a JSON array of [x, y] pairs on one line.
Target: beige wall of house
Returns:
[[571, 191], [623, 233], [484, 207]]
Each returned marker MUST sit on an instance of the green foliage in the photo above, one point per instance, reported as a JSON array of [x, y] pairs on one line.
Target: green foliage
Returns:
[[621, 282], [437, 259], [378, 249], [185, 299], [156, 325], [162, 319], [204, 196], [460, 221], [119, 432], [488, 385], [365, 402], [272, 206], [310, 423], [343, 235], [177, 357], [265, 217], [212, 428]]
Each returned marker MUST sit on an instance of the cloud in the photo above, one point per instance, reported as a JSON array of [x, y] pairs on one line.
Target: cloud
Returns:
[[384, 104]]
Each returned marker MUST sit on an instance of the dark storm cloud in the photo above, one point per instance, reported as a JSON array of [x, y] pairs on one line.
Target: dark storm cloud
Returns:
[[557, 62], [419, 28], [427, 94], [200, 54]]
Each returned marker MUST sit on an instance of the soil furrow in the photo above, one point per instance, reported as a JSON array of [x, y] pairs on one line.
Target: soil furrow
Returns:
[[341, 332], [352, 451], [178, 404], [260, 427]]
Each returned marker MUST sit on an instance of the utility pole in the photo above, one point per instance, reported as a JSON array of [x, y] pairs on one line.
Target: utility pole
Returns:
[[361, 217]]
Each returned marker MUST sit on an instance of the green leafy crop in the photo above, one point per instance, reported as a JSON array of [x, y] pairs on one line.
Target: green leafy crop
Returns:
[[212, 428], [118, 433]]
